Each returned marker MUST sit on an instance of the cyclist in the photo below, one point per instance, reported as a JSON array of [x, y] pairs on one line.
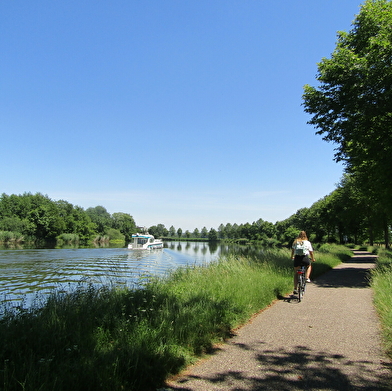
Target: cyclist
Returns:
[[300, 251]]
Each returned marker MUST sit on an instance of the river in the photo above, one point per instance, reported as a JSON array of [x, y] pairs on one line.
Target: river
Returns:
[[32, 274]]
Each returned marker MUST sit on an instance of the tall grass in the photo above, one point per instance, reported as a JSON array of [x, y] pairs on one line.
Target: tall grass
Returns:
[[10, 237], [382, 286], [121, 339], [67, 238]]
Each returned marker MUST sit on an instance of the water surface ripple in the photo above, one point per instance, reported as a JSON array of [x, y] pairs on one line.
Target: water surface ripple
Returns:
[[27, 274]]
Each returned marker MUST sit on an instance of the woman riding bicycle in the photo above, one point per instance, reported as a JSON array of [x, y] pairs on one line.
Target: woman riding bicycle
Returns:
[[300, 251]]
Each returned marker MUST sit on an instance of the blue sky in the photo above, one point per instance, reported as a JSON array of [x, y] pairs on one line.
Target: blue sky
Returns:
[[184, 113]]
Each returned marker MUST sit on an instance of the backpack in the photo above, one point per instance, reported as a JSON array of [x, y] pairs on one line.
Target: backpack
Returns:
[[300, 248]]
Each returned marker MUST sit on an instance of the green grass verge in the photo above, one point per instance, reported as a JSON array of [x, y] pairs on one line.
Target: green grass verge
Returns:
[[382, 286], [120, 339]]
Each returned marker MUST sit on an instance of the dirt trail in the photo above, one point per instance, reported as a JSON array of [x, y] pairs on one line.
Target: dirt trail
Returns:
[[329, 341]]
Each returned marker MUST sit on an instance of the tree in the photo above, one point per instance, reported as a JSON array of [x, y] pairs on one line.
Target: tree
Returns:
[[46, 221], [172, 231], [76, 220], [125, 223], [352, 105], [101, 217], [15, 224], [229, 232], [265, 228], [179, 232], [212, 235], [222, 232], [158, 231]]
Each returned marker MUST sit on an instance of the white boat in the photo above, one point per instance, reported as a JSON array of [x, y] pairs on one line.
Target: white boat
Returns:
[[144, 242]]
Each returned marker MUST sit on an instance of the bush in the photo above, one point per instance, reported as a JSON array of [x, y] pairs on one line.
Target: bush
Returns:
[[9, 236], [115, 235], [67, 239]]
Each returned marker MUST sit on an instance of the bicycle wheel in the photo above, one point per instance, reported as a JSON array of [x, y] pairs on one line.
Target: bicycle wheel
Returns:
[[300, 287]]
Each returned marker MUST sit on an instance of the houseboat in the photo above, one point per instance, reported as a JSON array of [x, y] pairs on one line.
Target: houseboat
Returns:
[[144, 242]]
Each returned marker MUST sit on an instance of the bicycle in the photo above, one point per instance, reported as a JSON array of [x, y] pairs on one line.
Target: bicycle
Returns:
[[301, 285]]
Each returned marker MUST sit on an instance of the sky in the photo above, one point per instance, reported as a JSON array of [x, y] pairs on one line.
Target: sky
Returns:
[[178, 112]]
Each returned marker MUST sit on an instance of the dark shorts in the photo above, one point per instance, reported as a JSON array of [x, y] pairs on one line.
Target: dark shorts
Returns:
[[301, 260]]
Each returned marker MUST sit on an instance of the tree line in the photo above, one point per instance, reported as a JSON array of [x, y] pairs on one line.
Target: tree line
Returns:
[[36, 217], [344, 216]]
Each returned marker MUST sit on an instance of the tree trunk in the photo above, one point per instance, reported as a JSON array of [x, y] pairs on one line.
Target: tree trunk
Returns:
[[386, 234], [371, 235]]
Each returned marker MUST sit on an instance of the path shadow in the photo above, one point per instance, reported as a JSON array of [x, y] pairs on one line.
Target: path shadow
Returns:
[[348, 277], [298, 369], [362, 257]]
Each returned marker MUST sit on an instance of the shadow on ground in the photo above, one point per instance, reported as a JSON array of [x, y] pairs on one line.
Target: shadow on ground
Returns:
[[347, 277], [300, 369], [362, 257]]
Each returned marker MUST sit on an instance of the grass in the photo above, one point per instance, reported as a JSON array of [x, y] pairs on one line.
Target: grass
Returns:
[[10, 237], [121, 339], [382, 286]]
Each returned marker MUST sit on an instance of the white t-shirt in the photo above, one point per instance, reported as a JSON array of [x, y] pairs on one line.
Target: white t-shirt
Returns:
[[307, 246]]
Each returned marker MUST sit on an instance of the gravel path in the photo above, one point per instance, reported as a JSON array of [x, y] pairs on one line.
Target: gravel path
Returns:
[[329, 341]]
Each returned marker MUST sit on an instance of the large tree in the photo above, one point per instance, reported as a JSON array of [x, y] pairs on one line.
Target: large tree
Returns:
[[101, 218], [125, 223], [352, 105]]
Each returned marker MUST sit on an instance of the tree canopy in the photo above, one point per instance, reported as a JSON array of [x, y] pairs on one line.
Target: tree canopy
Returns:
[[37, 217], [352, 107]]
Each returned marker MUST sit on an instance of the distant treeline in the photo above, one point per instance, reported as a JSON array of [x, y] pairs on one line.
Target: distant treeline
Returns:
[[35, 217], [346, 215], [343, 216]]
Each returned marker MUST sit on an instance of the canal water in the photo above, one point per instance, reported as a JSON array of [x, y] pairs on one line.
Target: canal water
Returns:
[[31, 274]]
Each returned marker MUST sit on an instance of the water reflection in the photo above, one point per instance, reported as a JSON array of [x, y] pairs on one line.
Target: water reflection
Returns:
[[28, 272]]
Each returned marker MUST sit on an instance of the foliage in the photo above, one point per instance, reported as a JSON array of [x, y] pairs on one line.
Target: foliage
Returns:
[[37, 216], [204, 233], [212, 235], [125, 224], [158, 231], [115, 235], [67, 239], [172, 231], [10, 237], [351, 106], [100, 217]]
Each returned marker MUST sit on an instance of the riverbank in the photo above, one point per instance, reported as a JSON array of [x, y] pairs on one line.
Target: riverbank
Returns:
[[108, 338]]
